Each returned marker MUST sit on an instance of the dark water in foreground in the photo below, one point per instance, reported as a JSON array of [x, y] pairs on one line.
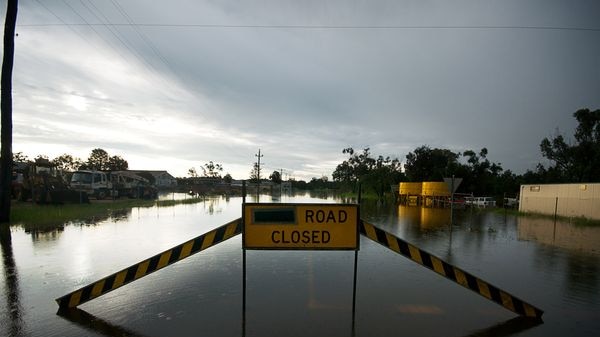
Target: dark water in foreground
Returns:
[[302, 293]]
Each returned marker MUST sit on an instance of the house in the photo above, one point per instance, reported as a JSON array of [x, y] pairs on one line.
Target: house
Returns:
[[162, 179]]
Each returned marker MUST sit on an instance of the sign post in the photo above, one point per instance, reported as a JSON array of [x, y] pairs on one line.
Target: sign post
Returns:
[[300, 227]]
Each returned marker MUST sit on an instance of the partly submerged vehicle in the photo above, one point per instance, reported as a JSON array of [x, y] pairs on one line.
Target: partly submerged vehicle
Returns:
[[100, 184], [481, 201]]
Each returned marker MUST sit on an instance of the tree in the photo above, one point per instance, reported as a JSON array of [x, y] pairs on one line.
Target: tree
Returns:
[[212, 170], [254, 173], [19, 157], [509, 183], [579, 162], [6, 110], [299, 184], [66, 162], [426, 164], [275, 177], [375, 174], [356, 166], [192, 172], [98, 160], [385, 172], [117, 163], [482, 176], [227, 178]]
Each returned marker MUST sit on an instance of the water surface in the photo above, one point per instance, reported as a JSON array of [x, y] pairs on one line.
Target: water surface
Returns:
[[555, 266]]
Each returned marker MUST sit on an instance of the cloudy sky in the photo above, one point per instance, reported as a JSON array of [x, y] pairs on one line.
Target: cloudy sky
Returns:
[[175, 87]]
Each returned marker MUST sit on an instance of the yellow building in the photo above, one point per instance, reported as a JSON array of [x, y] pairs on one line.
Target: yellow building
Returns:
[[410, 188], [429, 193], [435, 189], [570, 200]]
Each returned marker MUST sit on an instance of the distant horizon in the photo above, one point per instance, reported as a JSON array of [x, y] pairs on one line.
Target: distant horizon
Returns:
[[329, 175]]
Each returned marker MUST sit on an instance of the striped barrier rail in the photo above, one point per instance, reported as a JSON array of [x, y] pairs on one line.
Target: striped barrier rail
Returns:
[[150, 265], [449, 271]]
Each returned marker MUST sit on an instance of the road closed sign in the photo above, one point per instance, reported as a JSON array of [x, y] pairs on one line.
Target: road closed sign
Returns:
[[301, 226]]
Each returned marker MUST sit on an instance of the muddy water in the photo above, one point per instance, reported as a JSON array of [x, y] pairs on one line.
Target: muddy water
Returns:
[[555, 266]]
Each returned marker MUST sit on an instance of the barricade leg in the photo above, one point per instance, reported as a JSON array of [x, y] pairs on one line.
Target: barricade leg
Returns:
[[150, 265], [449, 271]]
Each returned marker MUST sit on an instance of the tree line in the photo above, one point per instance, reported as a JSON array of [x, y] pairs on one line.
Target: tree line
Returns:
[[98, 160], [572, 161]]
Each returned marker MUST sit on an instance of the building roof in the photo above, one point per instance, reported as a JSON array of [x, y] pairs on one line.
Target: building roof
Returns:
[[154, 173]]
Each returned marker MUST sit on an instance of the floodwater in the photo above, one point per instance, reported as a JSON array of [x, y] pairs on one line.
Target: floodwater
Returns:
[[555, 266]]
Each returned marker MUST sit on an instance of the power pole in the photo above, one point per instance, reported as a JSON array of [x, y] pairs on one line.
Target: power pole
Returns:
[[258, 172], [6, 110]]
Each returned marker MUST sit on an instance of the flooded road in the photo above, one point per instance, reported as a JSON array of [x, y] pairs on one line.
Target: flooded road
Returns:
[[555, 266]]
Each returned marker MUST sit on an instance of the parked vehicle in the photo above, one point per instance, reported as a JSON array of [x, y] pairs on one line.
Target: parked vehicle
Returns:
[[132, 185], [41, 181], [101, 185], [94, 183], [511, 202], [484, 201]]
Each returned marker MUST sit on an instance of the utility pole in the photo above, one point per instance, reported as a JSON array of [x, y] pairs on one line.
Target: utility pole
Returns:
[[6, 110], [258, 172]]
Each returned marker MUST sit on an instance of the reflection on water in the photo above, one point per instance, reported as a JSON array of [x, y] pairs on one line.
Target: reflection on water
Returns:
[[95, 324], [11, 279], [560, 233], [582, 262], [44, 233], [52, 232], [508, 328], [297, 293], [213, 205], [425, 217]]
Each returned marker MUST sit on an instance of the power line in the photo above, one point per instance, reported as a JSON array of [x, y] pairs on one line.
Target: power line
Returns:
[[324, 27], [94, 29], [105, 22], [63, 21], [120, 37], [144, 38]]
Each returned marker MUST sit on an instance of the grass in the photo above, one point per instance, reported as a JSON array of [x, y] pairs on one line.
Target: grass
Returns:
[[47, 215]]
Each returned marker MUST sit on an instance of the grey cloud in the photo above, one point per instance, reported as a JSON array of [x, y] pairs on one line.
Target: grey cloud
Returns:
[[302, 95]]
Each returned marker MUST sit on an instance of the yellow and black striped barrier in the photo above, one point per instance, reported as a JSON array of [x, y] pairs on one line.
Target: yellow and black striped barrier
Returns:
[[450, 272], [150, 265]]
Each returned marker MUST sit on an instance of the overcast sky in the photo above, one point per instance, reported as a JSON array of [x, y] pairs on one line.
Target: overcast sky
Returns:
[[169, 88]]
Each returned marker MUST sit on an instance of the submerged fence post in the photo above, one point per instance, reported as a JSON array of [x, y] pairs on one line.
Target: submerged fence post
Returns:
[[243, 260], [355, 269], [555, 209]]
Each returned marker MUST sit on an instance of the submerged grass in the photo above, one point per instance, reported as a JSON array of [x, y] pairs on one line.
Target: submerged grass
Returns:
[[39, 215], [578, 220]]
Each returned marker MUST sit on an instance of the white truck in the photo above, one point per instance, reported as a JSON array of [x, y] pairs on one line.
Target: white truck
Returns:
[[99, 184], [94, 183]]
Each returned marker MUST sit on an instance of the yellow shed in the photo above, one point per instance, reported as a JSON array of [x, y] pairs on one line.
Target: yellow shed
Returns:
[[435, 189], [410, 188]]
